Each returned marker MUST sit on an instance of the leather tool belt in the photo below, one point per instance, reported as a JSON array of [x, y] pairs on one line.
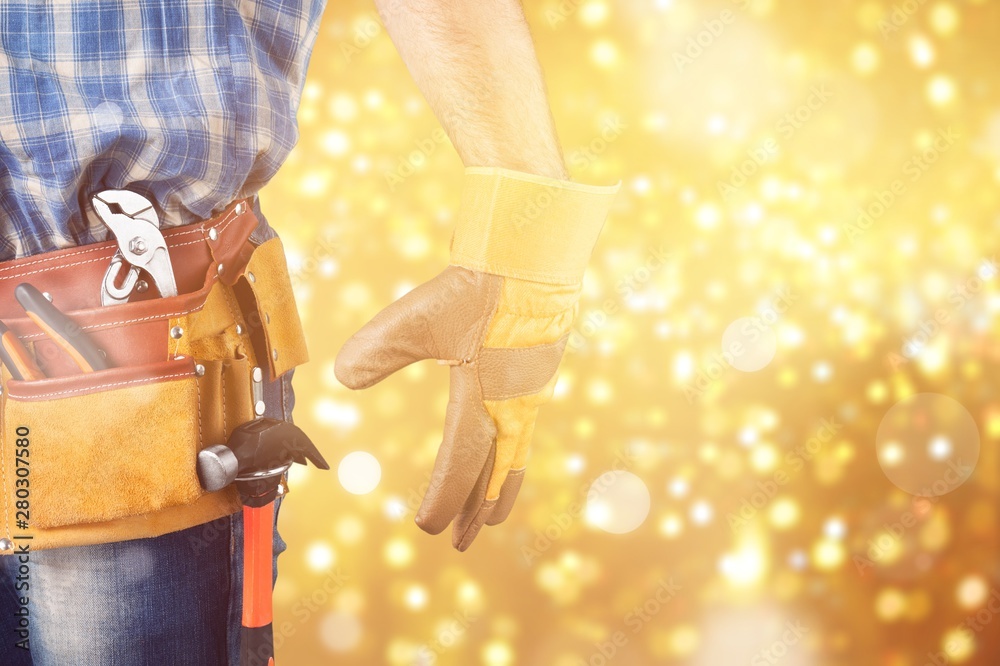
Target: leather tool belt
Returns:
[[110, 455]]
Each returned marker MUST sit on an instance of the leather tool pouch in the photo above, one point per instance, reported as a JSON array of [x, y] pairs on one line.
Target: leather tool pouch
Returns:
[[110, 455]]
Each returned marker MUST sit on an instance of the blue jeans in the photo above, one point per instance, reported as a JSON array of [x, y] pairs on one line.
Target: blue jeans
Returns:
[[173, 600]]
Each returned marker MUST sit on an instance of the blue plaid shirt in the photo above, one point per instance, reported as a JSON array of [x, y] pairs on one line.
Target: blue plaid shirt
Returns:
[[191, 103]]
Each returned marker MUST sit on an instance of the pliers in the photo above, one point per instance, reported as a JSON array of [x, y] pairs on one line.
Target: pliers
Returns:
[[136, 226], [58, 327]]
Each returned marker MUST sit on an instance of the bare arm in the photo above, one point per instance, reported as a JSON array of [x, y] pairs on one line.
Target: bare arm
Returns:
[[475, 62]]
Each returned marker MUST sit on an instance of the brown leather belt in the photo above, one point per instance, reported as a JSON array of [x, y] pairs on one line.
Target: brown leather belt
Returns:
[[135, 332]]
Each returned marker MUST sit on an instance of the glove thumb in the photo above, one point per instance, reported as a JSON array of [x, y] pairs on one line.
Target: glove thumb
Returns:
[[443, 318]]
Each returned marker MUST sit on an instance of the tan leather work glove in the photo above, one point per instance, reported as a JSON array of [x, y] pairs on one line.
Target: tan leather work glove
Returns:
[[500, 315]]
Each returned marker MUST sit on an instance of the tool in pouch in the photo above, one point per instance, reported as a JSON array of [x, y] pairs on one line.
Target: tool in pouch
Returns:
[[256, 457], [58, 327], [19, 361], [136, 226]]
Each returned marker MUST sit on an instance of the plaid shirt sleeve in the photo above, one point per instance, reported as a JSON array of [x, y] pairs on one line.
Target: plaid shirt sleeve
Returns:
[[191, 103]]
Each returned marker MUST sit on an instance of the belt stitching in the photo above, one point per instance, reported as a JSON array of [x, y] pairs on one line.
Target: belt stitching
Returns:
[[224, 223], [96, 387], [129, 321]]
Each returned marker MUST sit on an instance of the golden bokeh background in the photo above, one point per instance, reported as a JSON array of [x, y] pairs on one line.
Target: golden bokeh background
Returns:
[[787, 334]]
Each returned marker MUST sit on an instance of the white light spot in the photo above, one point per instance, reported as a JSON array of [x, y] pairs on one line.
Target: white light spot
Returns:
[[336, 143], [743, 567], [701, 512], [575, 464], [928, 444], [320, 556], [416, 597], [359, 472], [749, 344], [336, 413], [340, 632], [822, 371], [679, 487], [618, 502], [921, 51], [717, 124], [939, 448], [835, 528], [395, 508], [892, 454]]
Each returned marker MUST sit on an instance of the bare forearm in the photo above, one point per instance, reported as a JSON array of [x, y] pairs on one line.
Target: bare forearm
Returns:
[[475, 62]]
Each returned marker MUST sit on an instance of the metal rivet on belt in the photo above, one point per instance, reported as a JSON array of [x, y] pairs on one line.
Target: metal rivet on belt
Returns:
[[257, 389], [142, 286], [221, 269], [240, 207], [199, 370], [6, 544], [251, 276], [274, 354], [239, 330], [213, 234], [177, 332]]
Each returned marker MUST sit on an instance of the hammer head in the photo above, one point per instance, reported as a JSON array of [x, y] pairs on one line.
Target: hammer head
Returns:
[[257, 454], [266, 443]]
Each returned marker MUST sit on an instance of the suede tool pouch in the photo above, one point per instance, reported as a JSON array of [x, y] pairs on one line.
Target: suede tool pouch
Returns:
[[95, 447], [111, 455]]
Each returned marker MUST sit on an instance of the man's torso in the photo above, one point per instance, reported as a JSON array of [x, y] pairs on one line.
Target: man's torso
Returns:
[[191, 103]]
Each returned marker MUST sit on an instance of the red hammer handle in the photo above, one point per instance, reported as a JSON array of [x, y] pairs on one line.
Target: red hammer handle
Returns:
[[257, 642]]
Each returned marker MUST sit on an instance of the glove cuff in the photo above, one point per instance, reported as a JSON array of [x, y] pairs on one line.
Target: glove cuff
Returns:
[[529, 227]]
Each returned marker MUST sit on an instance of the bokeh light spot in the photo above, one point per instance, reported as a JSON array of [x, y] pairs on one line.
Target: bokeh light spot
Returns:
[[320, 556], [359, 472], [928, 444], [618, 502], [340, 632], [749, 344], [940, 90]]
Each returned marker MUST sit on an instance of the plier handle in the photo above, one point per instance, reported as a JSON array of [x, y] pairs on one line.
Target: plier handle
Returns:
[[59, 328]]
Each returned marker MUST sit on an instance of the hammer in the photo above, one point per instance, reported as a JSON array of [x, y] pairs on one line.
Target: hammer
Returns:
[[256, 456]]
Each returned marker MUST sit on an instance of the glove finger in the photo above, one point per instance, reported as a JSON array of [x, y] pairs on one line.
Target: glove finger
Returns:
[[515, 421], [467, 449], [521, 443], [442, 318], [476, 511], [508, 494], [483, 503]]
